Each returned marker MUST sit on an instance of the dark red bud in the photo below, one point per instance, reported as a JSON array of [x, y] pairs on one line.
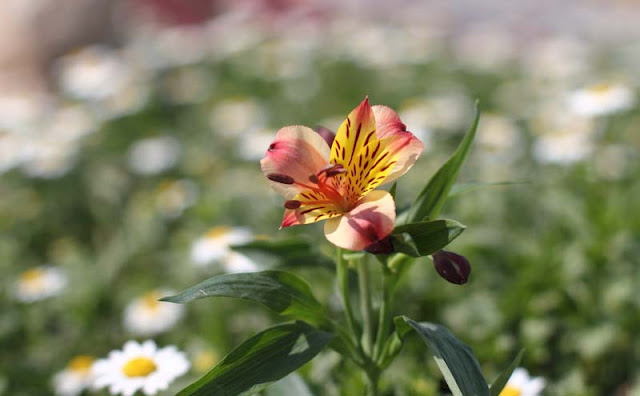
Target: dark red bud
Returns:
[[382, 246], [280, 178], [327, 134], [292, 204], [452, 267]]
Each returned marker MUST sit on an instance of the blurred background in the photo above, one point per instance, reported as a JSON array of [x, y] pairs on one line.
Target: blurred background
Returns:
[[130, 134]]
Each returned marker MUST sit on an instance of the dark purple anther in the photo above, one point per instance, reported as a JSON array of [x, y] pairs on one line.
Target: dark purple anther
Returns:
[[280, 178], [452, 267], [292, 204]]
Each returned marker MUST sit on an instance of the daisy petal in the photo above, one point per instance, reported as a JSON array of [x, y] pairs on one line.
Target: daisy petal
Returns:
[[406, 146], [369, 222], [297, 152]]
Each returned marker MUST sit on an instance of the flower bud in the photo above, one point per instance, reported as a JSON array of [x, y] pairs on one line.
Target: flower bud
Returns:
[[451, 266], [382, 246], [327, 134]]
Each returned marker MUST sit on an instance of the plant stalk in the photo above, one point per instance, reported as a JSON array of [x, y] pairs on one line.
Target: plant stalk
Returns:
[[366, 307]]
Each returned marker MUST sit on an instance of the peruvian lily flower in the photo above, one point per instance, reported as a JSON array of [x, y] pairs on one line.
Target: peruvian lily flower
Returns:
[[337, 183]]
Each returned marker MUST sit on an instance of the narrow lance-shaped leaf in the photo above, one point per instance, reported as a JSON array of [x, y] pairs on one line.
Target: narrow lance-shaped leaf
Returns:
[[425, 238], [456, 360], [433, 196], [264, 358], [280, 291], [503, 378]]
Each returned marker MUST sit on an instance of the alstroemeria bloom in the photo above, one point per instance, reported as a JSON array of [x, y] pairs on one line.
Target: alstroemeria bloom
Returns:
[[372, 147]]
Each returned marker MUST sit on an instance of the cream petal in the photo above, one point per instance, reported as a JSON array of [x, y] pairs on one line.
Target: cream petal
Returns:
[[297, 152], [373, 219]]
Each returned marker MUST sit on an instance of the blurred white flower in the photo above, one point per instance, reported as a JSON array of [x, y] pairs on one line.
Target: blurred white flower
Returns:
[[48, 158], [521, 384], [215, 244], [75, 378], [237, 262], [20, 111], [450, 112], [253, 145], [236, 116], [499, 137], [561, 59], [139, 367], [39, 283], [601, 99], [174, 196], [563, 138], [12, 150], [69, 123], [154, 155], [92, 73], [146, 315]]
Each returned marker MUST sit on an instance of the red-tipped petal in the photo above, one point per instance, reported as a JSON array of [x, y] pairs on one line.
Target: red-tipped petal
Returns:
[[296, 152], [402, 142], [356, 131], [369, 222]]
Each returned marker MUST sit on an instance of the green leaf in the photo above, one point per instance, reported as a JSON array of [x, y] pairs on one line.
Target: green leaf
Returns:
[[501, 381], [280, 291], [461, 188], [424, 238], [456, 360], [287, 252], [264, 358], [435, 193]]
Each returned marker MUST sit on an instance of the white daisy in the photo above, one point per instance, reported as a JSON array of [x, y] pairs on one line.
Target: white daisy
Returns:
[[75, 378], [214, 244], [139, 367], [39, 283], [601, 99], [154, 155], [236, 262], [521, 384], [92, 73], [148, 316]]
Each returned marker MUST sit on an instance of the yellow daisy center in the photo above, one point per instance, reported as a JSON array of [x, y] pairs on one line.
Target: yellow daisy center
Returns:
[[150, 301], [601, 88], [32, 275], [81, 363], [510, 391], [139, 367], [218, 231]]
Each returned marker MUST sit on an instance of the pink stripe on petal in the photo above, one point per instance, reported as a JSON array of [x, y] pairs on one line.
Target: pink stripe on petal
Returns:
[[372, 220], [298, 152]]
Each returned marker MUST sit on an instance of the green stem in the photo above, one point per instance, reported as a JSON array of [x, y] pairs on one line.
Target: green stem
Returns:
[[365, 305], [343, 284], [372, 381], [384, 320]]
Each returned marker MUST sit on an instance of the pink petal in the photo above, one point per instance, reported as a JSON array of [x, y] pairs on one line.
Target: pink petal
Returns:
[[373, 219], [406, 146], [297, 152]]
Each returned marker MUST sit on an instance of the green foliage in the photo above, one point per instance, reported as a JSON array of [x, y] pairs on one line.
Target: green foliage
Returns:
[[499, 383], [423, 238], [279, 291], [455, 360], [261, 360], [435, 193]]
